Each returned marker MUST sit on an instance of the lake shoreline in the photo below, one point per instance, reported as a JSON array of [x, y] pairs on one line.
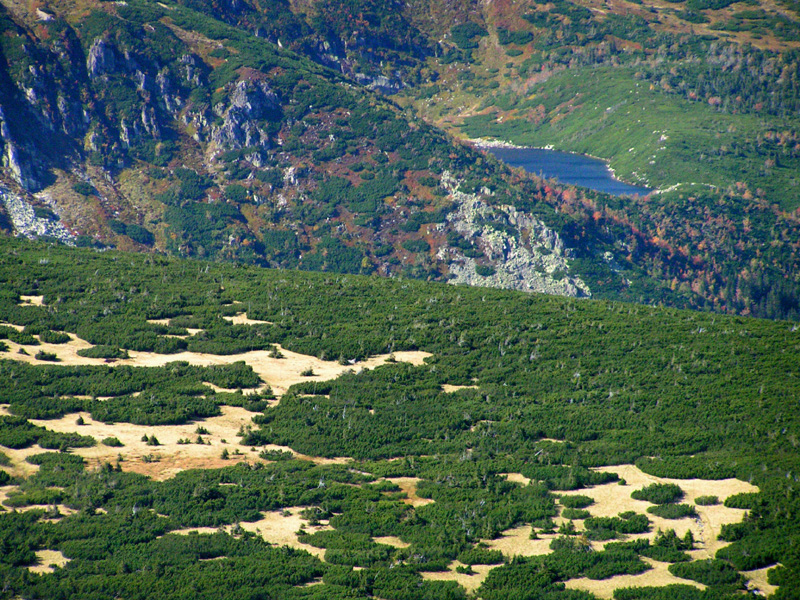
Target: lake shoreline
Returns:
[[484, 143]]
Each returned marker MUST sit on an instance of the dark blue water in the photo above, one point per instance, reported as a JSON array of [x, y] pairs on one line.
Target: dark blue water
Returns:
[[573, 169]]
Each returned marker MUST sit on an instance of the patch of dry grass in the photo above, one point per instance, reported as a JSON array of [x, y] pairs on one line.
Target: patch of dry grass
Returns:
[[610, 500], [408, 485], [31, 300], [278, 527], [391, 540], [46, 560], [657, 576], [468, 582], [449, 389], [242, 319], [278, 373]]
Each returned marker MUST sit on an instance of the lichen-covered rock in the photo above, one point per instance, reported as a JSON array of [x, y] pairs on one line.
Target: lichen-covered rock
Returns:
[[523, 252], [249, 102], [26, 223], [102, 58]]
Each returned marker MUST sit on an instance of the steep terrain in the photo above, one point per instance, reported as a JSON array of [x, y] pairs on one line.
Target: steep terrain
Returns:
[[268, 138], [162, 128]]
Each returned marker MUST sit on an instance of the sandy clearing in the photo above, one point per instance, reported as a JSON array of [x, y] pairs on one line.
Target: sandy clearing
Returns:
[[242, 319], [46, 559], [518, 542], [31, 301], [468, 582], [408, 485], [516, 478], [64, 511], [67, 353], [319, 460], [164, 322], [657, 576], [172, 457], [278, 373], [613, 498], [449, 389], [610, 500], [758, 583], [276, 527], [19, 466], [17, 327], [167, 459], [4, 492], [391, 540]]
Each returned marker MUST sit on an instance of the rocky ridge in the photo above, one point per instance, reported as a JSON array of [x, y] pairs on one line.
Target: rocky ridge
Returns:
[[528, 255]]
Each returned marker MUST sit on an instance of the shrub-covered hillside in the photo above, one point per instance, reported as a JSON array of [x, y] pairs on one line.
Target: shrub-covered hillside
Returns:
[[540, 386]]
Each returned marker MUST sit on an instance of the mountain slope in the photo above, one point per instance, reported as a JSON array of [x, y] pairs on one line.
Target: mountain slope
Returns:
[[158, 127], [397, 474]]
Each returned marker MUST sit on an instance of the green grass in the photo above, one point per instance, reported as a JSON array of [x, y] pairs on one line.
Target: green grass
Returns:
[[618, 118]]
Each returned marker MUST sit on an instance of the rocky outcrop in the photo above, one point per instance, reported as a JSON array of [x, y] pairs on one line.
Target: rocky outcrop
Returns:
[[249, 102], [525, 254], [27, 223], [102, 58], [380, 83]]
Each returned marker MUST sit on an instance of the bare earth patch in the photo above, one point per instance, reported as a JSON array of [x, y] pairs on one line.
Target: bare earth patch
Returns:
[[758, 581], [610, 500], [319, 460], [468, 582], [46, 559], [169, 457], [19, 466], [518, 542], [516, 478], [166, 460]]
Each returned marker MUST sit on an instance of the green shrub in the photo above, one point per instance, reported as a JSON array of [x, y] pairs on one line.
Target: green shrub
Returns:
[[746, 500], [419, 245], [707, 572], [103, 352], [673, 511], [625, 523], [485, 270], [464, 35], [659, 493], [84, 188], [112, 442], [54, 337], [480, 556], [706, 500], [577, 501], [575, 513], [236, 193]]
